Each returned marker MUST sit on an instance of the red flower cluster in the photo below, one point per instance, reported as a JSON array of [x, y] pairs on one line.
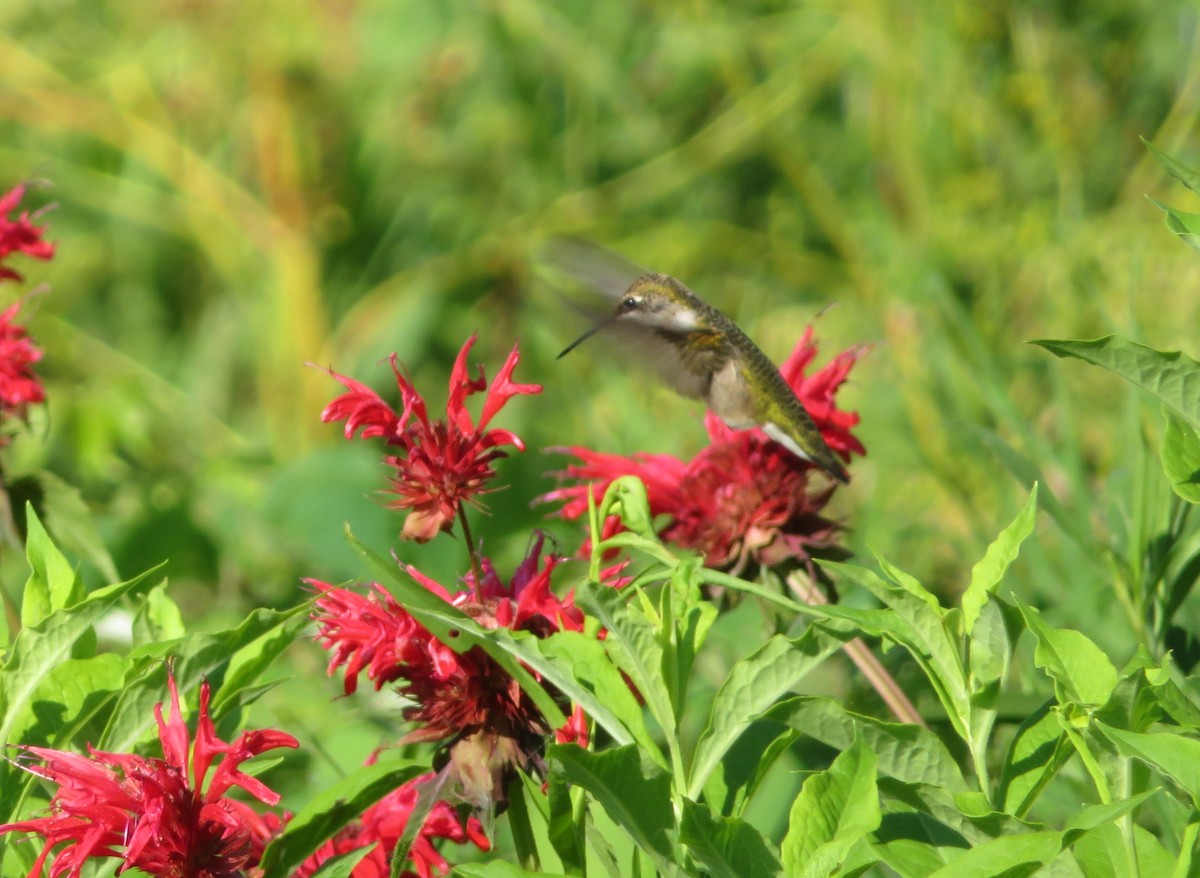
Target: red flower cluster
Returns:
[[744, 497], [441, 464], [148, 812], [19, 235], [19, 386], [464, 697], [382, 826]]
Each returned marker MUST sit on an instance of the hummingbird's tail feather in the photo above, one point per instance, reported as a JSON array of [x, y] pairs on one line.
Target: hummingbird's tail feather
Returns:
[[816, 452]]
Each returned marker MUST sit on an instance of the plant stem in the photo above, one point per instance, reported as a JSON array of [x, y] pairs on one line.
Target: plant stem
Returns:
[[858, 651], [471, 551]]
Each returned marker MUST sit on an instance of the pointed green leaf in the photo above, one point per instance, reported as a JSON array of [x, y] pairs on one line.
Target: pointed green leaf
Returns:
[[253, 659], [753, 685], [1081, 671], [331, 809], [635, 793], [1181, 457], [989, 651], [195, 656], [1180, 222], [906, 752], [1174, 755], [1171, 376], [53, 582], [987, 573], [1178, 170], [611, 703], [37, 651], [1008, 856], [726, 847], [1037, 751], [834, 811], [1095, 816], [497, 869], [157, 618], [73, 524], [633, 643], [915, 844], [66, 699], [910, 584], [927, 633], [341, 866], [1104, 853]]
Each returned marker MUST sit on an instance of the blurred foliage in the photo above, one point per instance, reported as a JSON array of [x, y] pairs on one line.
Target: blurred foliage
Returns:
[[244, 187]]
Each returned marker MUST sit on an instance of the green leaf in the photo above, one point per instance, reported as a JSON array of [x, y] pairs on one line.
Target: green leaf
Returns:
[[753, 685], [987, 573], [250, 661], [927, 632], [1104, 853], [196, 656], [341, 866], [633, 643], [910, 584], [834, 811], [906, 752], [331, 809], [634, 792], [1037, 751], [1008, 856], [157, 618], [727, 847], [73, 524], [1081, 671], [993, 637], [1171, 377], [626, 497], [37, 651], [496, 869], [53, 583], [915, 844], [66, 699], [611, 703], [1178, 170], [1095, 816], [1180, 222], [1181, 457], [1174, 755]]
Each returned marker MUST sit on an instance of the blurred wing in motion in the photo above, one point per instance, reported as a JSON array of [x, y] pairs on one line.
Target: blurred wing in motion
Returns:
[[592, 279], [578, 267]]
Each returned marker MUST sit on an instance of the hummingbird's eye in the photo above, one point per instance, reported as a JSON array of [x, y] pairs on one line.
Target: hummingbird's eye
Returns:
[[629, 303]]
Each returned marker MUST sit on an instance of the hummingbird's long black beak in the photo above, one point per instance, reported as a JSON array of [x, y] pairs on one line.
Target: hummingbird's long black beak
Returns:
[[583, 338]]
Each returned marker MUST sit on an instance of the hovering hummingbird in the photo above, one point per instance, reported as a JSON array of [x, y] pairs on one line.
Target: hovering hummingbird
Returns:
[[703, 354]]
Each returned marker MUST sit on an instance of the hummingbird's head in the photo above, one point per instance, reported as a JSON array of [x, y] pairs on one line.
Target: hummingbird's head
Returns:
[[658, 301], [653, 301]]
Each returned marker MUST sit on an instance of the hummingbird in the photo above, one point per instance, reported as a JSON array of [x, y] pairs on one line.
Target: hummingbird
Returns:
[[703, 354]]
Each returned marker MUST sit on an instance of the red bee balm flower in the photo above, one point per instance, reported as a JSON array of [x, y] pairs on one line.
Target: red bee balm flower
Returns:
[[382, 826], [148, 812], [19, 235], [19, 386], [744, 497], [442, 464], [463, 697]]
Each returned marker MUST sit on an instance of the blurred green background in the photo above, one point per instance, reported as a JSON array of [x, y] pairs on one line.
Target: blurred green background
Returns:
[[244, 187]]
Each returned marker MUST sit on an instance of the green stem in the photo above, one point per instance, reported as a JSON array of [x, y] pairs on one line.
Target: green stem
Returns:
[[471, 551]]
